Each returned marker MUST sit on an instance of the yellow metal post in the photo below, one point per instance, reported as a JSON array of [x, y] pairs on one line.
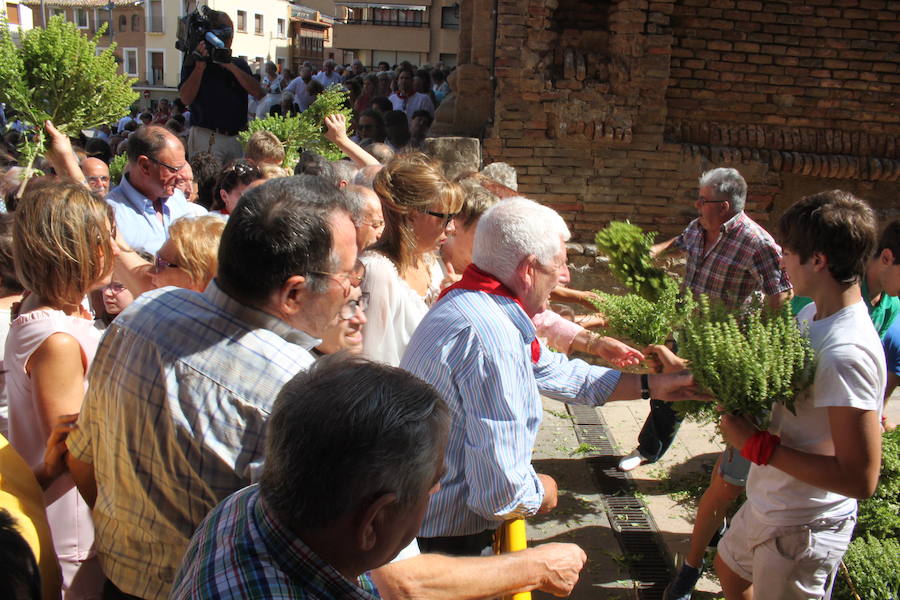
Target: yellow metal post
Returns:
[[512, 538]]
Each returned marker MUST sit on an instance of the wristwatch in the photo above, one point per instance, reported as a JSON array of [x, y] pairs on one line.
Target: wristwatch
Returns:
[[645, 386]]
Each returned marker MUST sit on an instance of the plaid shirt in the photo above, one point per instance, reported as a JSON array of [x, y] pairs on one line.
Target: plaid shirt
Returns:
[[241, 551], [744, 260], [174, 421]]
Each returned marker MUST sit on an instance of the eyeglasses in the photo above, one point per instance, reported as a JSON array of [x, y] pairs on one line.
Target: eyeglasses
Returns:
[[353, 278], [162, 164], [447, 217], [162, 264], [115, 287], [351, 309], [374, 224], [98, 179]]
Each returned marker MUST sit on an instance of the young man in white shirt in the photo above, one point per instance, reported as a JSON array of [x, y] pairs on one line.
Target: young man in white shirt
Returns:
[[810, 467]]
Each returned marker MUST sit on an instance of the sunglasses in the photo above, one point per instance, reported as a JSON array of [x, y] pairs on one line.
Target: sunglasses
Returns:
[[446, 217], [162, 264]]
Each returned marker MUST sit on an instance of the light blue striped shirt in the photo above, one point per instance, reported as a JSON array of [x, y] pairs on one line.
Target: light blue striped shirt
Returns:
[[475, 349], [136, 217], [174, 421]]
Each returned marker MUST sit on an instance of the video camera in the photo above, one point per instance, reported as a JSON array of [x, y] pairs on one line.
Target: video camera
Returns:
[[199, 26]]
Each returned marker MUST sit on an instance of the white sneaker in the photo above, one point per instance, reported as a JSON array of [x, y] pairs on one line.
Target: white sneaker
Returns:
[[632, 461]]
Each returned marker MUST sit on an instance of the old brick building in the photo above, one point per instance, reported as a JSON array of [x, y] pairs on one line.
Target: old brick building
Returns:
[[610, 109]]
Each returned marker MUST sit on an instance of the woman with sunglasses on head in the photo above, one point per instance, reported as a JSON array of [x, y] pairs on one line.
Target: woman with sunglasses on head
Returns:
[[236, 177], [63, 248], [403, 271]]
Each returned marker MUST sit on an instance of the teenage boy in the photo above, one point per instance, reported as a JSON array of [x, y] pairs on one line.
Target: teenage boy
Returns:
[[880, 289], [810, 467]]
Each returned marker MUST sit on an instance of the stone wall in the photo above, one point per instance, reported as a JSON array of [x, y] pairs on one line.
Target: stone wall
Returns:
[[610, 109]]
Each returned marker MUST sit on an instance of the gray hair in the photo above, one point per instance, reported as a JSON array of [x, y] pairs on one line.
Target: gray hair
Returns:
[[513, 229], [344, 170], [727, 182], [365, 177], [351, 430]]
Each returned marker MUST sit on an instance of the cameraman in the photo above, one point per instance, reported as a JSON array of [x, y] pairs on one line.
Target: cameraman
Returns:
[[217, 95]]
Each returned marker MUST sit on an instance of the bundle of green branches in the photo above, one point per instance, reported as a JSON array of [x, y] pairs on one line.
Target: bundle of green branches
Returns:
[[117, 168], [747, 361], [879, 515], [306, 130], [635, 319], [869, 570], [58, 76], [628, 249]]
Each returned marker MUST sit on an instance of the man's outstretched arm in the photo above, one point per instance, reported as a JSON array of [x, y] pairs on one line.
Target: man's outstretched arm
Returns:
[[551, 568]]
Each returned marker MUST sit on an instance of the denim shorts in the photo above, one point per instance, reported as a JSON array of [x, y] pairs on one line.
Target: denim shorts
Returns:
[[734, 467]]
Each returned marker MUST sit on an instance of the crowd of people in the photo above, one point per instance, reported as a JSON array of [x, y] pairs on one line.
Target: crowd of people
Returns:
[[223, 380]]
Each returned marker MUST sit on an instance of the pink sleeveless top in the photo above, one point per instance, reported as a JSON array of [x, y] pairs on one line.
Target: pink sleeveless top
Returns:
[[67, 513]]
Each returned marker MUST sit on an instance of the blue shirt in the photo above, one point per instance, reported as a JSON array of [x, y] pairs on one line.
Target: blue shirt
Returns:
[[174, 421], [241, 551], [136, 218], [475, 349]]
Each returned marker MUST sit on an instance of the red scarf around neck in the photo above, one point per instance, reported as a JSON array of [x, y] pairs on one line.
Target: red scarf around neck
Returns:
[[475, 279]]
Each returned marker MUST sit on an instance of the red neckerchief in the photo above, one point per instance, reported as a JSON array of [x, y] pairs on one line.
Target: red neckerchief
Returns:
[[475, 279]]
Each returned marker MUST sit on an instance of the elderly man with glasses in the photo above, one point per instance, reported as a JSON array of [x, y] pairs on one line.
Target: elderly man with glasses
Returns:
[[147, 200]]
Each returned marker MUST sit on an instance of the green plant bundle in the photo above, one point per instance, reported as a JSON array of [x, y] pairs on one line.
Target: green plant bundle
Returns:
[[872, 565], [880, 514], [59, 76], [628, 249], [746, 364], [117, 168], [638, 320], [306, 130]]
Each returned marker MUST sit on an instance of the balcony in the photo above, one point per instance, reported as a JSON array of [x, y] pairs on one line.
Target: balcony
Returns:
[[379, 34]]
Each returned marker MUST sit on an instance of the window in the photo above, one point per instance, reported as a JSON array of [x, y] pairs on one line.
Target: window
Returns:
[[280, 62], [123, 22], [58, 12], [101, 17], [12, 13], [393, 16], [450, 17], [135, 22], [156, 60], [81, 18], [156, 16], [280, 28], [242, 21], [130, 61], [258, 24]]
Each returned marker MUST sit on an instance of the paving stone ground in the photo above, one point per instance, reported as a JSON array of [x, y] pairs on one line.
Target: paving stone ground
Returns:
[[579, 518]]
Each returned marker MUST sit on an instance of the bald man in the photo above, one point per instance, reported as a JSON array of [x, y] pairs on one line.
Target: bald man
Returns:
[[371, 220], [96, 172]]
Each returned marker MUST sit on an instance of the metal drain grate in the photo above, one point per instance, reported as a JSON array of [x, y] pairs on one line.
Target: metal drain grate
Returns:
[[642, 548]]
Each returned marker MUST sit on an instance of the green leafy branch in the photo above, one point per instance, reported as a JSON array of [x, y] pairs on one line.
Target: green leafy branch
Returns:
[[628, 249], [306, 130], [59, 76]]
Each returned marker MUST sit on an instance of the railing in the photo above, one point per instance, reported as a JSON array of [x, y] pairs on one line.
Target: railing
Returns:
[[387, 22]]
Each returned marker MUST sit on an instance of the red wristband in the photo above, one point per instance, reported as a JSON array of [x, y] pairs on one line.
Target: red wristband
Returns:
[[759, 447]]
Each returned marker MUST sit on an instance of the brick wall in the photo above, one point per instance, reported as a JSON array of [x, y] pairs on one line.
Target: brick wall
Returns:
[[614, 116]]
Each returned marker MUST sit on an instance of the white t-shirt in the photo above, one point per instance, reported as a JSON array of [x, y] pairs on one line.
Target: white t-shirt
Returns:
[[850, 371], [395, 309]]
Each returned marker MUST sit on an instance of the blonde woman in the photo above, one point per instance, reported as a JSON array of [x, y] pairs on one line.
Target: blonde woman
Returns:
[[403, 271], [62, 249], [189, 258]]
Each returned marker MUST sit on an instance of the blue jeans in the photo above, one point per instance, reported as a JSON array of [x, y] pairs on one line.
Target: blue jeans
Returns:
[[658, 431]]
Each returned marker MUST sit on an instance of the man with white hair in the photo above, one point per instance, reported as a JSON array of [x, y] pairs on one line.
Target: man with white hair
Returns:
[[477, 347], [370, 224], [328, 76]]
